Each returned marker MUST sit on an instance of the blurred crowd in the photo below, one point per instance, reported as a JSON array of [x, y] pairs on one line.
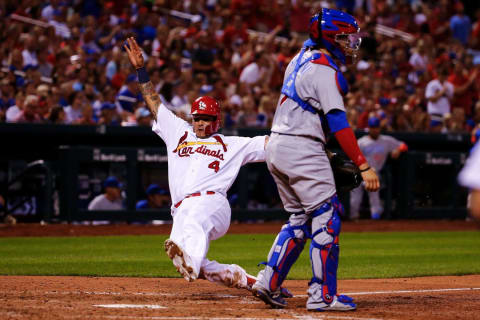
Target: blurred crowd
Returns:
[[63, 62]]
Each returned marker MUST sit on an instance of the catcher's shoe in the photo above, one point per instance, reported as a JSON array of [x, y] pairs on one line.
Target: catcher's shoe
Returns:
[[336, 305], [274, 299], [180, 260], [344, 298], [284, 292]]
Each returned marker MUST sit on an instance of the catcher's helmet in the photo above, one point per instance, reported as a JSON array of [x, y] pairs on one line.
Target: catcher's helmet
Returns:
[[207, 106], [336, 31]]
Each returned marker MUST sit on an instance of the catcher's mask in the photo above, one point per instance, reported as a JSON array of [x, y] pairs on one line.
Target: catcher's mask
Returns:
[[210, 107], [336, 31]]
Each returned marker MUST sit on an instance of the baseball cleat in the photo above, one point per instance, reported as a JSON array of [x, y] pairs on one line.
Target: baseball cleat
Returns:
[[275, 300], [336, 305], [284, 292], [345, 299], [180, 260]]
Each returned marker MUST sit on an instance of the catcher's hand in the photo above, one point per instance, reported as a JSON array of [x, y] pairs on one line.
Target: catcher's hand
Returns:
[[372, 183], [346, 174], [134, 53]]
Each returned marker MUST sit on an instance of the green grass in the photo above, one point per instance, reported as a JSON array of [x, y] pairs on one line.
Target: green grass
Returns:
[[363, 255]]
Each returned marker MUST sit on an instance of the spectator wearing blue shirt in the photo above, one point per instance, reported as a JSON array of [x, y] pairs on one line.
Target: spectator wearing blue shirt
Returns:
[[460, 25], [156, 198], [128, 95]]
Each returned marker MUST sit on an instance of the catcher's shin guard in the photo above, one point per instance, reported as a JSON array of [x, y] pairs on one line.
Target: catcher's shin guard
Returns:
[[285, 251], [324, 248]]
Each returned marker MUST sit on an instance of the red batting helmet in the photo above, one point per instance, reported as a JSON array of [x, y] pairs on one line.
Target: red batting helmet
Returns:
[[207, 106]]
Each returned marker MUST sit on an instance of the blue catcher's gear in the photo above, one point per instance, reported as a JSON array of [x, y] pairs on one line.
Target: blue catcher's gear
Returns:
[[336, 31], [285, 251], [289, 90], [324, 252]]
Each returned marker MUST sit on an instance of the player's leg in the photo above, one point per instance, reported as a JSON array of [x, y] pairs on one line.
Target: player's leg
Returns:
[[174, 247], [286, 249], [230, 275], [356, 196], [376, 208], [197, 221], [324, 253], [288, 244]]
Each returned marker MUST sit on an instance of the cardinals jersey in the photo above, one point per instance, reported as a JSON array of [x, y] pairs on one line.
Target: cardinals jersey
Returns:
[[209, 164]]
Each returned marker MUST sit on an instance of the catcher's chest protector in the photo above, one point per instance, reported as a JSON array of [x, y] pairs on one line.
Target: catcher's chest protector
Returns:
[[288, 87]]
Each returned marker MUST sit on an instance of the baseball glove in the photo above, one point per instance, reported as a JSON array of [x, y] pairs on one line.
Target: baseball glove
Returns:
[[346, 174]]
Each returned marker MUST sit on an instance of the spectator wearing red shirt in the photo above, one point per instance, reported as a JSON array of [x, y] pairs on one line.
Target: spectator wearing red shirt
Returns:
[[237, 31], [463, 81]]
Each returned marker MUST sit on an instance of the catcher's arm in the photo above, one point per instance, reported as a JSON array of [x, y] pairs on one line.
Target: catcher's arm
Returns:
[[339, 125], [146, 87]]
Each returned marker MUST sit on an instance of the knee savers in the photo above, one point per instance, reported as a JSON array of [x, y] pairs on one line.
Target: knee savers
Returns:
[[324, 249], [287, 248]]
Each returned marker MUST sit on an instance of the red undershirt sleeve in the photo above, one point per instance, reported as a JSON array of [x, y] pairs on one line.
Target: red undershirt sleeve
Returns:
[[348, 142]]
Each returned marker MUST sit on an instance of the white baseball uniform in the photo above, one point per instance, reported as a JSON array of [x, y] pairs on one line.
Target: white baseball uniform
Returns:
[[200, 171], [470, 175]]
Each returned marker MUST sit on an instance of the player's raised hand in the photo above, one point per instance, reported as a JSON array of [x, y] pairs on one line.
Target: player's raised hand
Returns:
[[372, 183], [134, 53]]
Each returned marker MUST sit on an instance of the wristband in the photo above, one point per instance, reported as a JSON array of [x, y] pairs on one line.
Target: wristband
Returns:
[[142, 75], [366, 169]]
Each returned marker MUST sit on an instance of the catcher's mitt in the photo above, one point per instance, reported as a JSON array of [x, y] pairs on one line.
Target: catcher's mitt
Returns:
[[346, 174]]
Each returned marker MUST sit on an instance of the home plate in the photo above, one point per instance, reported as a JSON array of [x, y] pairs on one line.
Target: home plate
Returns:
[[126, 306]]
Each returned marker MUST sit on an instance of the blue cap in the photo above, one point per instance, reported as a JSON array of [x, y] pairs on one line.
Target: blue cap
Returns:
[[108, 106], [131, 77], [373, 122], [111, 182], [155, 189]]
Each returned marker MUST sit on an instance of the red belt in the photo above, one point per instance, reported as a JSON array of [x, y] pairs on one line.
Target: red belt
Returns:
[[196, 194]]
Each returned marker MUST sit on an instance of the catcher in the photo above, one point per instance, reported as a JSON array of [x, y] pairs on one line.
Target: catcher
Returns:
[[310, 106]]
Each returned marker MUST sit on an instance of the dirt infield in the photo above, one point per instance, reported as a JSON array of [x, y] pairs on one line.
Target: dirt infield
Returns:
[[28, 297], [155, 299]]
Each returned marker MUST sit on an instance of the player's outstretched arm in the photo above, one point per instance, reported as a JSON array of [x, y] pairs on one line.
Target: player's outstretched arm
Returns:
[[146, 87]]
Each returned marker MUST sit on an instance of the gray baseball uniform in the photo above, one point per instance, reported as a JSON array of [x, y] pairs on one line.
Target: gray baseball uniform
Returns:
[[295, 153], [376, 153]]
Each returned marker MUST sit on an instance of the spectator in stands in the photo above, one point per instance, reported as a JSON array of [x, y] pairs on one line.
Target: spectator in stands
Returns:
[[82, 52], [203, 56], [256, 72], [75, 110], [157, 198], [29, 53], [30, 112], [14, 111], [463, 81], [57, 115], [143, 117], [111, 199], [128, 95], [236, 32], [460, 24], [109, 115], [87, 116], [439, 92]]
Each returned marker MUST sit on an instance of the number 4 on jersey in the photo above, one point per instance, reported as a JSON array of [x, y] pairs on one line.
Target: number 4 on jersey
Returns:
[[215, 165]]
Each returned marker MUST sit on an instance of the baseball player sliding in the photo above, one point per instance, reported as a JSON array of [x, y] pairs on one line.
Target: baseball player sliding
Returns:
[[202, 165], [311, 105]]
